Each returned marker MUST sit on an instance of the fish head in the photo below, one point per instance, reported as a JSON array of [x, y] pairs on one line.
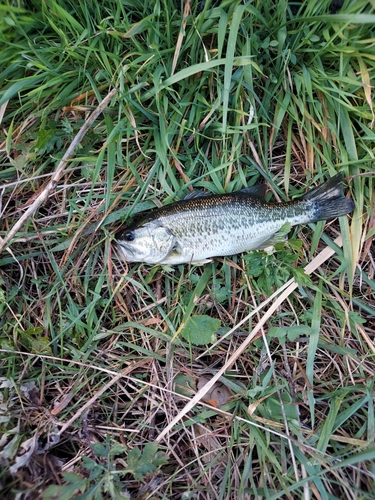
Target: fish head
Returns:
[[151, 243]]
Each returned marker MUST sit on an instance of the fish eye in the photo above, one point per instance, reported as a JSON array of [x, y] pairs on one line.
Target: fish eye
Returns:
[[129, 236]]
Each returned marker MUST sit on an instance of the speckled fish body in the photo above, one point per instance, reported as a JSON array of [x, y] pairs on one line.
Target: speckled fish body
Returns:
[[203, 226]]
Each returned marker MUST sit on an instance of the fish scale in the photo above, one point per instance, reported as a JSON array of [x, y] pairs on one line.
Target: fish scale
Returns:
[[247, 226], [203, 226]]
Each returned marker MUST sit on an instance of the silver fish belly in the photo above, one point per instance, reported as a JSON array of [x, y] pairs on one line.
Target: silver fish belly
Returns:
[[203, 226]]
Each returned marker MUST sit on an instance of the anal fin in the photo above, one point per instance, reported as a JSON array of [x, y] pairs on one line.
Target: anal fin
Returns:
[[200, 262], [278, 237]]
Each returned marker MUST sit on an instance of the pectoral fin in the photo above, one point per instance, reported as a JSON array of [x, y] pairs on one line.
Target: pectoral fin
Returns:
[[178, 256]]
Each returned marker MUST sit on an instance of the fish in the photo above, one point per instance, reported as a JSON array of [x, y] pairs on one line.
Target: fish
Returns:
[[203, 225]]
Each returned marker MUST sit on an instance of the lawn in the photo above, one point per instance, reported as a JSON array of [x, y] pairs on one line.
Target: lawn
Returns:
[[249, 377]]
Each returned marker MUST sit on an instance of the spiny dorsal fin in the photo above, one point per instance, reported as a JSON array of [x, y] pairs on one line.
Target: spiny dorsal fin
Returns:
[[196, 194], [258, 191]]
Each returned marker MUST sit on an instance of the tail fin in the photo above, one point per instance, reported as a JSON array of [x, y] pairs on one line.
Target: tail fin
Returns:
[[329, 200]]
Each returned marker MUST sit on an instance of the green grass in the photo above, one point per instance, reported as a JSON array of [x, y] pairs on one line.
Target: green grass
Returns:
[[94, 358]]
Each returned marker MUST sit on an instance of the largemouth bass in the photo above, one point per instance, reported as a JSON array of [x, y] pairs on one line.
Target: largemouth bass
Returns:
[[202, 225]]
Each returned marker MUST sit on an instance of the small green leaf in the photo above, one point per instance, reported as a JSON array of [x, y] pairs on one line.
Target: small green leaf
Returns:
[[34, 330], [184, 384], [140, 464], [285, 229], [100, 450], [301, 277], [91, 465], [75, 484], [201, 330], [295, 244], [290, 333]]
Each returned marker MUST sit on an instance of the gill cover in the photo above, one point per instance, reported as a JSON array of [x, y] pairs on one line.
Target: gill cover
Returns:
[[149, 243]]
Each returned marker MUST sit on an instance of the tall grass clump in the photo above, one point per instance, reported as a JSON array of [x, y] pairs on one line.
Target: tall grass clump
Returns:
[[108, 370]]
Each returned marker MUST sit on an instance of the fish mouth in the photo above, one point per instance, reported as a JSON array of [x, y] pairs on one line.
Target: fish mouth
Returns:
[[125, 249]]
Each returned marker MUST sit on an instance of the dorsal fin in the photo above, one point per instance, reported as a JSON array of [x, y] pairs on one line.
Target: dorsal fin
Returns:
[[196, 194], [257, 191]]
